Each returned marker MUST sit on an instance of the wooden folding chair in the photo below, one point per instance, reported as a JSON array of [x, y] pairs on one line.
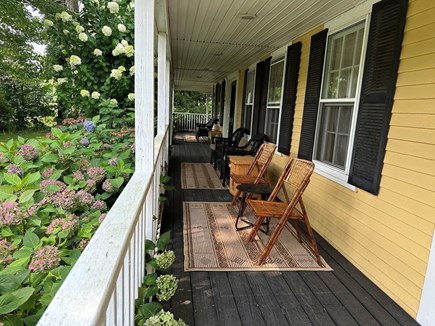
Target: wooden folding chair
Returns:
[[296, 179], [260, 163]]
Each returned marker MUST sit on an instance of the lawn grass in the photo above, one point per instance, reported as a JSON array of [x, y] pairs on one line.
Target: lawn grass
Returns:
[[4, 137]]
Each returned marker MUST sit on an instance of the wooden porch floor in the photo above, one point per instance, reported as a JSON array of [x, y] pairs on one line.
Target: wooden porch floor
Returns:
[[342, 297]]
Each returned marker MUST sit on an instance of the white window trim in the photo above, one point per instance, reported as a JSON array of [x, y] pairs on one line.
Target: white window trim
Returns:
[[252, 67], [352, 17]]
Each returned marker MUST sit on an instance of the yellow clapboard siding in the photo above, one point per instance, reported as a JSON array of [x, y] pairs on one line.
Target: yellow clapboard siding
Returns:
[[414, 106], [404, 222], [413, 120], [418, 63], [413, 192], [414, 35], [425, 136], [405, 146], [412, 51], [419, 77], [410, 177], [412, 163], [418, 6], [420, 19], [415, 92]]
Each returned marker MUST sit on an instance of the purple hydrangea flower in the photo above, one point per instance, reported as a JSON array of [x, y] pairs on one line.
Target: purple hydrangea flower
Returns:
[[45, 259], [89, 126], [28, 152], [15, 169], [84, 142]]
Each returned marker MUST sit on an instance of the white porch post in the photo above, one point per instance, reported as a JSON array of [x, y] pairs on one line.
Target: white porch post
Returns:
[[426, 311], [162, 89], [144, 96]]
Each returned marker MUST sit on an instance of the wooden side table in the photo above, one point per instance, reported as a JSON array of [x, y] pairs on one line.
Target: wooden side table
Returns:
[[212, 134], [239, 165]]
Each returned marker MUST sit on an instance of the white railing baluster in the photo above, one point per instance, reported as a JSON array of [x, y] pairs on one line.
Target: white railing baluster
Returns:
[[184, 121]]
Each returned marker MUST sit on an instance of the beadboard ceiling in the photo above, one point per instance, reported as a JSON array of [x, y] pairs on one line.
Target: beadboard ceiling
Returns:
[[209, 40]]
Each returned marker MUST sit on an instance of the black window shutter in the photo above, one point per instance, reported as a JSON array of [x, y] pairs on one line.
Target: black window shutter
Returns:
[[289, 97], [312, 94], [216, 100], [257, 97], [222, 108], [377, 93], [263, 95], [244, 100]]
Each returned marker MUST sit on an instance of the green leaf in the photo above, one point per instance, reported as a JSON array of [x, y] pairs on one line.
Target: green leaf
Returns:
[[57, 132], [50, 158], [26, 196], [6, 232], [150, 279], [163, 241], [5, 192], [24, 252], [117, 182], [30, 239], [150, 309], [12, 179], [8, 283], [11, 301], [149, 245], [52, 188], [22, 262], [31, 178]]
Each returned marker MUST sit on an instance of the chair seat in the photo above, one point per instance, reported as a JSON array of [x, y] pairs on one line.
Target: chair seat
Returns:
[[243, 178], [263, 208]]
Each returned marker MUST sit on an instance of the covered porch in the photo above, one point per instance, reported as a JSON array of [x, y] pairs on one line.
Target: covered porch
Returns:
[[212, 46]]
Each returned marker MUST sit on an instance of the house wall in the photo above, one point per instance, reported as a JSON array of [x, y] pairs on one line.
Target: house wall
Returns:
[[388, 236]]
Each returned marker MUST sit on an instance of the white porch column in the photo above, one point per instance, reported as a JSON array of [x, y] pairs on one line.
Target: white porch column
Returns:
[[144, 99], [144, 84], [162, 89]]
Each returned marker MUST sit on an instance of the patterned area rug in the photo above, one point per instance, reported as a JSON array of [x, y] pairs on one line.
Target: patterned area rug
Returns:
[[211, 243], [192, 139], [199, 176]]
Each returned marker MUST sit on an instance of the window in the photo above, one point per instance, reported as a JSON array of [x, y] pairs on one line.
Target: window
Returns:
[[274, 99], [337, 107], [249, 99]]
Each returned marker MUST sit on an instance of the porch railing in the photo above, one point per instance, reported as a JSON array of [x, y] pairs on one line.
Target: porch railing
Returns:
[[184, 121], [103, 284]]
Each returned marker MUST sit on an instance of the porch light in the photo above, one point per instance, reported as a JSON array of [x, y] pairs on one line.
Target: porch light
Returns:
[[248, 16]]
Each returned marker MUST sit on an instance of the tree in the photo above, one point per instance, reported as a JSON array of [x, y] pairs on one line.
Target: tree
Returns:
[[193, 102]]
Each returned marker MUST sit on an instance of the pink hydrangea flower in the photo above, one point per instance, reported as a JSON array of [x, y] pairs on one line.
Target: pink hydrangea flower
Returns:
[[68, 144], [84, 197], [67, 224], [107, 186], [46, 183], [11, 214], [46, 258], [82, 244], [15, 169], [28, 152], [100, 205], [91, 185], [64, 199], [102, 217], [47, 173], [78, 175], [6, 252], [96, 173]]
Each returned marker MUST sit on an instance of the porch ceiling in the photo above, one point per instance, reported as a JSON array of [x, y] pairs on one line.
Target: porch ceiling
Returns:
[[209, 40]]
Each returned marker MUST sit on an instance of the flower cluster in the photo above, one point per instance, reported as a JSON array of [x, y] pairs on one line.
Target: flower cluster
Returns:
[[52, 186], [96, 173], [84, 198], [113, 7], [84, 93], [166, 287], [62, 224], [78, 175], [165, 259], [123, 48], [107, 31], [28, 152], [74, 61], [89, 126], [45, 259], [164, 318], [15, 169], [99, 205], [65, 199], [107, 186], [47, 173], [84, 142], [71, 121], [6, 252]]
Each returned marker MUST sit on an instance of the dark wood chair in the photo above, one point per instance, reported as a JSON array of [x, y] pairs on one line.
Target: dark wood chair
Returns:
[[292, 210], [202, 129], [222, 156], [219, 142]]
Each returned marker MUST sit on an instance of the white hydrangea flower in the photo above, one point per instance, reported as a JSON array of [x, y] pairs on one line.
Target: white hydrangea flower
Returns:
[[117, 74], [48, 23], [79, 29], [113, 7], [84, 93], [114, 101], [124, 43], [131, 5], [83, 37], [131, 96], [132, 71], [66, 32], [129, 50], [57, 68], [50, 81], [119, 49], [122, 28], [75, 72], [107, 31], [61, 81], [74, 61], [98, 52], [121, 68], [97, 2], [66, 17], [95, 95]]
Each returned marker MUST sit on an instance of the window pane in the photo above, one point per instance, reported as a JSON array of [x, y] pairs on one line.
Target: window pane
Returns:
[[272, 124], [342, 63], [248, 117], [275, 82], [333, 134], [250, 87]]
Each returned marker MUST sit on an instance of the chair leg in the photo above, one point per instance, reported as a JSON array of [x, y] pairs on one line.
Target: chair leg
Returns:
[[236, 198], [310, 232], [255, 228], [273, 238]]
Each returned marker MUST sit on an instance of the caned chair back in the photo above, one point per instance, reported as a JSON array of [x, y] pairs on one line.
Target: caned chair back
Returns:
[[262, 159]]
